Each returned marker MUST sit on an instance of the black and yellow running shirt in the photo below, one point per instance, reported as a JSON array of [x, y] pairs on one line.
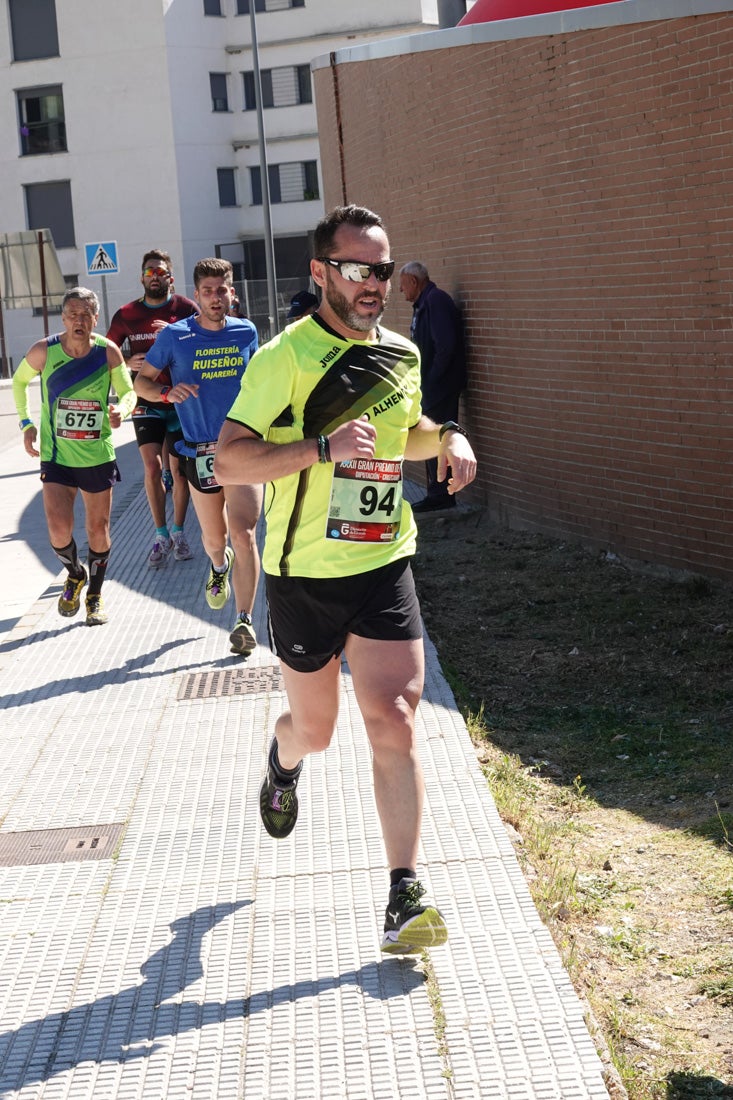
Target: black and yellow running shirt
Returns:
[[342, 518]]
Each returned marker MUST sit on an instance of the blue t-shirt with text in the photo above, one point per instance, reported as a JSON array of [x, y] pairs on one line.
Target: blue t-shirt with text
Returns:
[[214, 361]]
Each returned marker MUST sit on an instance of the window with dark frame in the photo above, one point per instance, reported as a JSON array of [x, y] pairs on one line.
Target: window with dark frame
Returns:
[[33, 29], [219, 96], [286, 86], [41, 118], [226, 182], [269, 5], [212, 7], [310, 174], [48, 206], [293, 181]]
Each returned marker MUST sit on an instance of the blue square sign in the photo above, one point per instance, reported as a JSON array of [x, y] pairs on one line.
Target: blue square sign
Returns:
[[101, 258]]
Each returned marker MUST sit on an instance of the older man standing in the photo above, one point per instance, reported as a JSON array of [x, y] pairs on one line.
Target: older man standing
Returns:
[[437, 329]]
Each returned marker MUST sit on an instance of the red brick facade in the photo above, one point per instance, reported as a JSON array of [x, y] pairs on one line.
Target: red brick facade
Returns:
[[575, 193]]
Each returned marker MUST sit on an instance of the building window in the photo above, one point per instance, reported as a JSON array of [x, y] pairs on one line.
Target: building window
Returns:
[[219, 97], [48, 206], [212, 7], [296, 181], [226, 181], [33, 27], [41, 116], [282, 87], [269, 5]]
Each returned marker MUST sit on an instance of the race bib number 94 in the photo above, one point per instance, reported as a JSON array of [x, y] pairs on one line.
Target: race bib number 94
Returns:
[[366, 501], [77, 419]]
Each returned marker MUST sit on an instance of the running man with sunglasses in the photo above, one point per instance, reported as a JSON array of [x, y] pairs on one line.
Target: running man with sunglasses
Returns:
[[326, 414], [134, 328]]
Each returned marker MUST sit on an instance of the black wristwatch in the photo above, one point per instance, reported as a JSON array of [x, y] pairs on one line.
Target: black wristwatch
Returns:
[[451, 426]]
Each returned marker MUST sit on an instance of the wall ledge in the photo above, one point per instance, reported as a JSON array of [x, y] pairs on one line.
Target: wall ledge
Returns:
[[624, 13]]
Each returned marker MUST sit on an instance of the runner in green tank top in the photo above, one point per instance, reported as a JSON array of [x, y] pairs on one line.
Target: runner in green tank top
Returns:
[[326, 414], [77, 370]]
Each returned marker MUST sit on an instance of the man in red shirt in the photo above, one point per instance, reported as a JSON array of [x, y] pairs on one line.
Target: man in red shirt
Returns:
[[157, 427]]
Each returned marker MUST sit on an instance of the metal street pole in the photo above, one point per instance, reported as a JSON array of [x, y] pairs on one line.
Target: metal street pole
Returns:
[[265, 181], [450, 12]]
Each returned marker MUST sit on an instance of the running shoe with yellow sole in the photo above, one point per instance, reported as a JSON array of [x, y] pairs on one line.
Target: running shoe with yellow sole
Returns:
[[243, 638], [96, 615], [70, 599], [217, 586], [410, 923], [278, 800]]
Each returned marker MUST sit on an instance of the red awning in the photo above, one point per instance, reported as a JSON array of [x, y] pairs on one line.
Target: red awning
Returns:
[[485, 11]]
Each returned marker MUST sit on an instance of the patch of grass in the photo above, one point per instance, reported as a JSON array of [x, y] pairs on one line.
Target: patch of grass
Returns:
[[600, 704], [718, 828], [436, 1004], [720, 990]]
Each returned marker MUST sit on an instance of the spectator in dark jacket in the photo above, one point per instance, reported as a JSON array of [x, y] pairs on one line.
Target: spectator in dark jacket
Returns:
[[437, 329]]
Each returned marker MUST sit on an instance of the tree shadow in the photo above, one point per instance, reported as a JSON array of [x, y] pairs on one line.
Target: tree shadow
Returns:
[[130, 670], [691, 1086], [589, 671], [125, 1026]]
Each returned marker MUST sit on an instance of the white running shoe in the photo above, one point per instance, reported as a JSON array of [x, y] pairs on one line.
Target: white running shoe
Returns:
[[158, 556], [181, 550]]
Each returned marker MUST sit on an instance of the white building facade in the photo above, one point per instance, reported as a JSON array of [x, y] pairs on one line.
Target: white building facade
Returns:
[[136, 123]]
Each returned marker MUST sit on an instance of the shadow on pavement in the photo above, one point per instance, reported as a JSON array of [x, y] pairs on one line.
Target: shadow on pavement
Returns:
[[124, 1026]]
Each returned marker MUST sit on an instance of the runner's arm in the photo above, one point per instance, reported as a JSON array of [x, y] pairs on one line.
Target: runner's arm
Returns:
[[244, 458], [28, 369], [454, 450], [122, 382], [147, 386], [22, 378]]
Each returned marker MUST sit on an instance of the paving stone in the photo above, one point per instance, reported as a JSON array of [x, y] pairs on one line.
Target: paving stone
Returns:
[[205, 960]]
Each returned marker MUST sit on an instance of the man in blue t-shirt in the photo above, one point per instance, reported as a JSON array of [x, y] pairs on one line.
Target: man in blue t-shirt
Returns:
[[206, 356]]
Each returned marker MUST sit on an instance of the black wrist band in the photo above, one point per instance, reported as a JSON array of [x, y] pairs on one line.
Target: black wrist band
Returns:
[[326, 448], [322, 448], [451, 426]]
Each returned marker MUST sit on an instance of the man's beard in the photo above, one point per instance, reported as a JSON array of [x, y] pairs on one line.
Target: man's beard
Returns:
[[345, 311], [158, 295]]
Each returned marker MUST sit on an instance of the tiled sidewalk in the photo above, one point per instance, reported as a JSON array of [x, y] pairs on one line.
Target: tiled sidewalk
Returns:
[[168, 948]]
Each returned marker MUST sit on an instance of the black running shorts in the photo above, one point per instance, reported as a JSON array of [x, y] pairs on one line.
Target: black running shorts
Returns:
[[189, 469], [90, 479], [309, 619], [154, 425]]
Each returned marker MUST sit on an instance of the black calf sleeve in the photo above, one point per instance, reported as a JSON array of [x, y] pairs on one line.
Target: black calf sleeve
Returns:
[[69, 556], [97, 568]]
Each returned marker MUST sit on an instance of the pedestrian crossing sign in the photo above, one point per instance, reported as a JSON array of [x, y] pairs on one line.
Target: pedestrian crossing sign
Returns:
[[101, 258]]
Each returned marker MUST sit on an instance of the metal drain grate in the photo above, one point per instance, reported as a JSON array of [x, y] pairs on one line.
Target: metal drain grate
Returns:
[[234, 681], [59, 845]]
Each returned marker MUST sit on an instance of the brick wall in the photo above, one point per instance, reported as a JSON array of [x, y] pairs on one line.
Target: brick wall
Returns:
[[575, 193]]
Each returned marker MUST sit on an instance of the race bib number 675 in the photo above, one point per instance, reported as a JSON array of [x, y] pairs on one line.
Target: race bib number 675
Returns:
[[366, 500], [76, 419]]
